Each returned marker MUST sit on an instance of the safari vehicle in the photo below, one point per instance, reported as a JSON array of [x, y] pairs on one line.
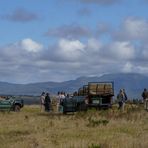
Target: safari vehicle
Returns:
[[11, 104], [100, 94], [94, 95], [69, 105], [76, 103]]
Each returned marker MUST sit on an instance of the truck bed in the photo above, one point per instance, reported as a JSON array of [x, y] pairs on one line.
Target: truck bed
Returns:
[[101, 88]]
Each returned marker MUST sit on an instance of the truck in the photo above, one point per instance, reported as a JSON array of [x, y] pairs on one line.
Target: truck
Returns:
[[11, 104], [94, 95], [100, 94]]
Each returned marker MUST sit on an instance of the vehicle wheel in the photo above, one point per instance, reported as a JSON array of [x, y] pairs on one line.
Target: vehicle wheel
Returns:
[[17, 108]]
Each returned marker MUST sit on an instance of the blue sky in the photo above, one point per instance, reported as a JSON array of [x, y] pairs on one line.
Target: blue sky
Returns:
[[58, 40]]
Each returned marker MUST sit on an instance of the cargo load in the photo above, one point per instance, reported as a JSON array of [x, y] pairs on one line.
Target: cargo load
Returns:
[[101, 88]]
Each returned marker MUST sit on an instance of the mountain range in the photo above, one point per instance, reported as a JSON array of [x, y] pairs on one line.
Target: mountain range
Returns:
[[133, 83]]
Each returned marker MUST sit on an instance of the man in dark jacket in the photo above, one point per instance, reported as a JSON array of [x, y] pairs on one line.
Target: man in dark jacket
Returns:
[[145, 98], [47, 102]]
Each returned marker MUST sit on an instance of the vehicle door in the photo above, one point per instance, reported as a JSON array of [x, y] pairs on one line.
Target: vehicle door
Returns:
[[5, 104]]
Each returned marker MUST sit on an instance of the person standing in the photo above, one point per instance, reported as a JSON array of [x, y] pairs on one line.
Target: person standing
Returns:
[[47, 102], [42, 101], [62, 98], [121, 100], [58, 101], [145, 98]]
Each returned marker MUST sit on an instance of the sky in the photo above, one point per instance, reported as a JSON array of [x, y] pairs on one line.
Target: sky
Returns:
[[60, 40]]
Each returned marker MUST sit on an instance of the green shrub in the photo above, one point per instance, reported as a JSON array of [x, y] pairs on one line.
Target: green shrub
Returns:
[[94, 146]]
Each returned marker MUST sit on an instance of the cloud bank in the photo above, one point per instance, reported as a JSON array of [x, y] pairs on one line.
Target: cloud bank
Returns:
[[71, 55]]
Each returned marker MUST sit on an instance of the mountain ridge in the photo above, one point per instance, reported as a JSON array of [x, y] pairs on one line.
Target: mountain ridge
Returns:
[[134, 84]]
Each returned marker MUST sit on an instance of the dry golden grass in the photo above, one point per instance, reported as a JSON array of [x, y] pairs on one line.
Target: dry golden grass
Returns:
[[93, 129]]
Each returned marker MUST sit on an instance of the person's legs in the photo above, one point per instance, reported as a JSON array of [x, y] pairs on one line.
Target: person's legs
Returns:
[[120, 105], [58, 106], [42, 107], [123, 106], [49, 106], [46, 107], [146, 104]]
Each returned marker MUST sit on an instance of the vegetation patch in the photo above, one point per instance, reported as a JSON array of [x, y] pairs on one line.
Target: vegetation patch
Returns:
[[91, 129], [95, 122], [94, 146]]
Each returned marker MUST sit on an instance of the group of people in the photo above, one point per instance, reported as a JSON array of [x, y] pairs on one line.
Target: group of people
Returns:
[[122, 98], [45, 102], [60, 97]]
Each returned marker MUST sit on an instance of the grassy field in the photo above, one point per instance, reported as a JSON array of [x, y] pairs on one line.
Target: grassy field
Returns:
[[92, 129]]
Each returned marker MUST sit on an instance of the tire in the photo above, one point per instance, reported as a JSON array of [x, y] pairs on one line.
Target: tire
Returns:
[[17, 108]]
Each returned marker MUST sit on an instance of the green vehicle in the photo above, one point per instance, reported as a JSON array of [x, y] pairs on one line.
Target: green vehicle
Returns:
[[94, 95], [69, 105], [76, 103], [11, 104]]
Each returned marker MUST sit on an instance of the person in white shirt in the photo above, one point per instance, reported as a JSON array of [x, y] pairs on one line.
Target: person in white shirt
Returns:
[[58, 101], [42, 101]]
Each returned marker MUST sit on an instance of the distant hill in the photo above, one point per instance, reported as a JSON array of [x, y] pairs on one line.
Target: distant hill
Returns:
[[132, 82]]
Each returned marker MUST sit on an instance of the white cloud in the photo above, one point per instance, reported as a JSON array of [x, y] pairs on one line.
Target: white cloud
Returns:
[[68, 50], [128, 67], [68, 59], [94, 44], [142, 69], [133, 29], [136, 28], [30, 45], [20, 54], [71, 46], [122, 50]]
